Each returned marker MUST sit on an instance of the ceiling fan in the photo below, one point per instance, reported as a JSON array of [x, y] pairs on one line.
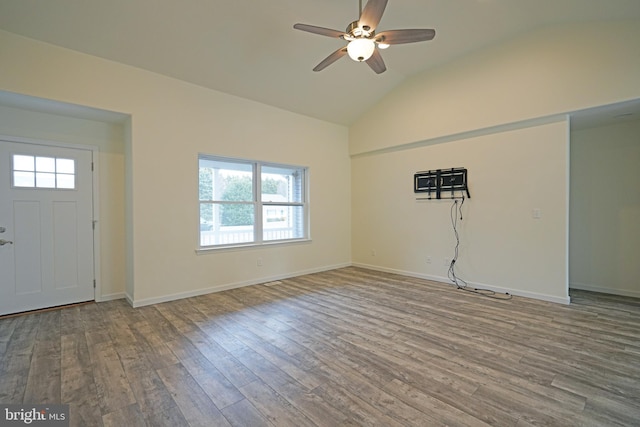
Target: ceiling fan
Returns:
[[364, 43]]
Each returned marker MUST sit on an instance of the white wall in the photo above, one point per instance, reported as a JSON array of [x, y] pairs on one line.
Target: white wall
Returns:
[[171, 122], [605, 209], [108, 138], [502, 246]]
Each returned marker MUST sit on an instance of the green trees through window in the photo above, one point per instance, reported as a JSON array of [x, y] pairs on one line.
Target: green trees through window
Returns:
[[237, 188], [244, 202]]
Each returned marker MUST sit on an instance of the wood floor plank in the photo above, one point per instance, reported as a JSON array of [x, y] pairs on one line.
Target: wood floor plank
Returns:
[[219, 389], [113, 388], [16, 361], [436, 412], [302, 372], [7, 327], [130, 416], [71, 321], [243, 413], [91, 317], [610, 411], [151, 395], [120, 332], [357, 410], [205, 342], [160, 324], [44, 381], [278, 410], [598, 379], [255, 323], [194, 403], [312, 405], [155, 349], [78, 388]]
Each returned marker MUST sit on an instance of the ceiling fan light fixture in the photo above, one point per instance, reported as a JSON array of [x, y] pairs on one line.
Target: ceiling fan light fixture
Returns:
[[361, 49], [362, 39]]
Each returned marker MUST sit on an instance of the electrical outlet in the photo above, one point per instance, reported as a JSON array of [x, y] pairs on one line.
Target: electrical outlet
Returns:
[[373, 252], [259, 262], [446, 262], [428, 259]]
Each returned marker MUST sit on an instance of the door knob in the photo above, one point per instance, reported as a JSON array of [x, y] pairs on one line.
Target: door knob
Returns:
[[5, 242]]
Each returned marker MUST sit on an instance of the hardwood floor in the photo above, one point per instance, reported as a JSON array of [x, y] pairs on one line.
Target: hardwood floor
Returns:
[[348, 347]]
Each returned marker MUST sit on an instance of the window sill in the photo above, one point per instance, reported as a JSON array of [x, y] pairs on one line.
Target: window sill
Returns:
[[240, 247]]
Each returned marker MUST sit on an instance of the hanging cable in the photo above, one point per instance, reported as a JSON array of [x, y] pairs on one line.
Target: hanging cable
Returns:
[[455, 213]]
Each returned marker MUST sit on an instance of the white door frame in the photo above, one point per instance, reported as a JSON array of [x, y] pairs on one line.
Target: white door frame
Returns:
[[95, 151]]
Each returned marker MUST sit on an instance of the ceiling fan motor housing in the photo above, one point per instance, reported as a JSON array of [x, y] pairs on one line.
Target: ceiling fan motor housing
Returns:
[[356, 31]]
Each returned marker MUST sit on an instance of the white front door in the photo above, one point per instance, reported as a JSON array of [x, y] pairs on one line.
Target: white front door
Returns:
[[46, 226]]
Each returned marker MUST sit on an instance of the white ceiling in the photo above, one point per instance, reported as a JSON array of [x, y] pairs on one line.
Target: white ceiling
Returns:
[[250, 49]]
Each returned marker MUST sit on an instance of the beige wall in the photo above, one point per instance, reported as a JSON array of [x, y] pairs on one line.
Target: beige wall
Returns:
[[605, 209], [108, 138], [171, 122], [546, 73], [503, 247]]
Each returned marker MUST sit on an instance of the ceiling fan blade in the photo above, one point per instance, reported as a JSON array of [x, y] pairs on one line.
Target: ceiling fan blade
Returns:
[[405, 36], [371, 14], [376, 62], [331, 59], [319, 30]]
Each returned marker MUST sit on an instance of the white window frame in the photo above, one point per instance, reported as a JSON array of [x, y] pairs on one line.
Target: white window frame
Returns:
[[54, 173], [258, 204]]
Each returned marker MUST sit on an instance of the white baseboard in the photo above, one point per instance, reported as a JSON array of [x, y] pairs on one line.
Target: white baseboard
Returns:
[[111, 297], [445, 280], [129, 299], [605, 290], [223, 287], [403, 272]]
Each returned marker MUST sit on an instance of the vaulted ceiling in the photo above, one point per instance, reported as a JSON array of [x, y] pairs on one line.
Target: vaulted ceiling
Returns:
[[250, 49]]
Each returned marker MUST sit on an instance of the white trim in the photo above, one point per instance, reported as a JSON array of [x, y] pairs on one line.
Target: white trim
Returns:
[[95, 151], [219, 248], [522, 124], [50, 143], [227, 286], [567, 211], [446, 281], [440, 279], [605, 290], [129, 299], [111, 297], [95, 176]]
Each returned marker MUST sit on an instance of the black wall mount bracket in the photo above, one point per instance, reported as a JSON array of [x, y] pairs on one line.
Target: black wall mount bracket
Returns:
[[442, 184]]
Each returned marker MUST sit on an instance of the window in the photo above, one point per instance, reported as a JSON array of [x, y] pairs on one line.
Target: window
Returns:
[[43, 172], [245, 202]]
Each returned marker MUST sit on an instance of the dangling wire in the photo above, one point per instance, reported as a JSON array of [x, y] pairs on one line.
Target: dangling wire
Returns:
[[455, 212]]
